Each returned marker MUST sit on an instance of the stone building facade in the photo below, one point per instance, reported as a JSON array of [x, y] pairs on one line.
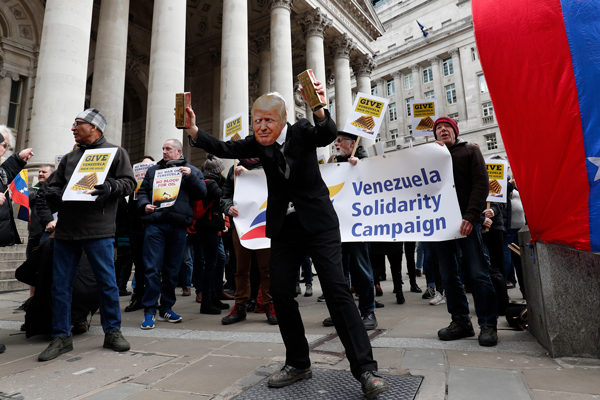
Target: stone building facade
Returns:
[[129, 57], [443, 64]]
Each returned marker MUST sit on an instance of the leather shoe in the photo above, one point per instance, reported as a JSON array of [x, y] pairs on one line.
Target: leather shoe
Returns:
[[372, 384], [225, 296], [457, 329], [415, 288], [328, 321], [400, 298], [210, 309], [237, 314], [134, 305], [221, 305], [288, 375], [369, 321], [199, 297], [488, 336]]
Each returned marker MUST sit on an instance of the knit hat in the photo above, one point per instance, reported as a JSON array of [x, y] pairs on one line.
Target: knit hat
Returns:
[[447, 120], [213, 164], [348, 135], [94, 117]]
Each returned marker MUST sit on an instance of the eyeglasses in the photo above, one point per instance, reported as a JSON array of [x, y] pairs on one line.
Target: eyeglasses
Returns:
[[339, 140], [77, 123], [5, 145]]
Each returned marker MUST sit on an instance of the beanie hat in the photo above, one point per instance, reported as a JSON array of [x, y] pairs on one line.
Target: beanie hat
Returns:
[[348, 135], [94, 117], [447, 120], [213, 164]]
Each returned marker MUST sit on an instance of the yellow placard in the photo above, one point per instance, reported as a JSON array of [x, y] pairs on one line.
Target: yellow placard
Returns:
[[421, 110], [495, 171], [94, 162], [232, 127], [369, 107]]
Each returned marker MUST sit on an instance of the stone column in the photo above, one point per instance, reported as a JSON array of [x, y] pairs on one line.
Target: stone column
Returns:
[[342, 46], [61, 77], [5, 87], [400, 102], [438, 87], [264, 69], [108, 86], [234, 59], [459, 82], [384, 133], [363, 67], [167, 73], [281, 54], [417, 81]]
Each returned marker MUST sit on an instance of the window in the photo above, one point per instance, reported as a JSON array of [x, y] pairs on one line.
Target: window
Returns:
[[482, 84], [491, 141], [408, 81], [408, 105], [391, 87], [448, 67], [427, 74], [393, 114], [454, 116], [430, 94], [473, 54], [451, 94], [409, 134], [446, 22], [488, 109], [393, 133], [14, 105], [374, 90], [408, 39]]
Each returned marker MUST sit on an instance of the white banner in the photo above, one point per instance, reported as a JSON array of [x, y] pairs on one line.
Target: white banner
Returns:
[[498, 180], [406, 195], [165, 187], [91, 170]]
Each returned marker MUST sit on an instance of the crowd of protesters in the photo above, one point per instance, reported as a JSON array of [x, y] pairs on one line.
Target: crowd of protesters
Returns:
[[194, 243]]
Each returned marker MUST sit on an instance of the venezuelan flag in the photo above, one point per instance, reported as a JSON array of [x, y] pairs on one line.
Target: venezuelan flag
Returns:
[[20, 194], [541, 60]]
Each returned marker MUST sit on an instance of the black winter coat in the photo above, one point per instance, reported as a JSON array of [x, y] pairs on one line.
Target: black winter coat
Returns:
[[8, 229]]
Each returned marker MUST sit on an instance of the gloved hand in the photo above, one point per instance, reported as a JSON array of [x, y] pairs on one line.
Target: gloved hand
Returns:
[[104, 191]]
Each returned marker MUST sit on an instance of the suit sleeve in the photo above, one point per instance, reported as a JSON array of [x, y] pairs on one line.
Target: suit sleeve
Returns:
[[479, 187], [322, 134], [245, 148]]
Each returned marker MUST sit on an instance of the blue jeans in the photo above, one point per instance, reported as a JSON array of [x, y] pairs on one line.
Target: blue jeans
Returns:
[[164, 247], [355, 256], [100, 253], [477, 268]]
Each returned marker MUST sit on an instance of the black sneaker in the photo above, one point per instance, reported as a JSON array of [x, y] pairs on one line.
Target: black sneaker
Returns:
[[378, 304], [400, 298], [429, 293], [321, 298], [115, 341], [488, 336], [2, 348], [372, 384], [59, 345], [270, 313], [237, 314], [134, 305], [415, 288], [328, 321], [456, 330], [369, 321], [308, 291], [288, 375]]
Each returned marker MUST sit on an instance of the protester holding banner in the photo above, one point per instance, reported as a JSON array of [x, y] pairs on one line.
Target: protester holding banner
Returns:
[[471, 183], [87, 223], [8, 171], [300, 220], [165, 198]]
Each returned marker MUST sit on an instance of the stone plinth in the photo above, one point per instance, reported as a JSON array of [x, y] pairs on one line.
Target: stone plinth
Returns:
[[563, 297]]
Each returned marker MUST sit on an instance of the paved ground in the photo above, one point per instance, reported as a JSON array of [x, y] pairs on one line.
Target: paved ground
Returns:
[[202, 359]]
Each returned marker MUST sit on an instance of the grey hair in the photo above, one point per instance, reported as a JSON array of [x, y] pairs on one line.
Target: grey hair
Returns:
[[270, 100], [11, 137], [176, 142]]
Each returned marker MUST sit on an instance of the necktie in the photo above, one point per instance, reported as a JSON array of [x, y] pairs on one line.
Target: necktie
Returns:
[[284, 168]]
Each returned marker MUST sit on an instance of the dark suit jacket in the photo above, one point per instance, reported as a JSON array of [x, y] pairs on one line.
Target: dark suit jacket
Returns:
[[305, 187]]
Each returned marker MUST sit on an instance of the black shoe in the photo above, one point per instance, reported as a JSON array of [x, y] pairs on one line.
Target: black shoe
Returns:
[[321, 298], [270, 313], [59, 345], [115, 341], [372, 384], [288, 375], [210, 309], [328, 321], [488, 336], [219, 304], [378, 304], [418, 273], [400, 298], [378, 291], [237, 314], [369, 321], [124, 292], [2, 348], [429, 293], [308, 291], [298, 289], [134, 305], [415, 288], [80, 327], [456, 330]]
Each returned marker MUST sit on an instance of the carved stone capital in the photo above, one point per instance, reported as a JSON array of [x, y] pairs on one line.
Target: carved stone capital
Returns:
[[415, 69], [454, 53], [286, 4], [342, 46], [364, 65], [315, 22], [434, 60]]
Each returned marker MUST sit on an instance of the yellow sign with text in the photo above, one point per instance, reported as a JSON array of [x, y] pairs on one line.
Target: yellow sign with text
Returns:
[[495, 171], [94, 162], [421, 110], [369, 107], [232, 127]]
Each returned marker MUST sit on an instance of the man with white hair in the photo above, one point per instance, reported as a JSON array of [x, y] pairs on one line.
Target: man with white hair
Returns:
[[8, 171], [300, 221]]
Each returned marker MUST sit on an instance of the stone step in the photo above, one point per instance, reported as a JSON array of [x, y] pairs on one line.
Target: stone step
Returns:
[[11, 264], [7, 274], [9, 285], [12, 254]]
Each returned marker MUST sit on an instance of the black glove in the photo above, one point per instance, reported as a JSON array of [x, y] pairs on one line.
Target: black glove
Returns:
[[104, 191]]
